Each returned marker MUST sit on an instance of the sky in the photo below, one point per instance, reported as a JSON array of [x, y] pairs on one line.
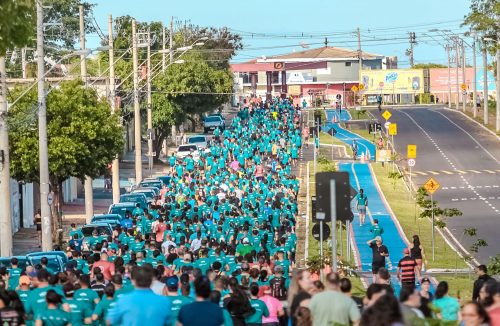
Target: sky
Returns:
[[271, 27]]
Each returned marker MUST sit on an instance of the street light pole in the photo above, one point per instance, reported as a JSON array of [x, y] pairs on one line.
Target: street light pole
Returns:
[[498, 84], [485, 84], [448, 48], [150, 118], [171, 49], [115, 166], [5, 213], [464, 94], [457, 61], [474, 81], [137, 109], [89, 196], [42, 135]]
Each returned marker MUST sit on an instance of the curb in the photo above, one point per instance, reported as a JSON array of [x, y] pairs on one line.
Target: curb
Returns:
[[476, 122]]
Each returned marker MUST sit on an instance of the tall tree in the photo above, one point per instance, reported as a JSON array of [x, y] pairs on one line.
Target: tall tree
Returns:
[[17, 19], [83, 136], [484, 18]]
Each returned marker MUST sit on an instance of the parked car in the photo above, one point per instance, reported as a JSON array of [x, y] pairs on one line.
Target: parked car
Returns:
[[149, 192], [112, 219], [151, 182], [199, 140], [57, 259], [137, 198], [185, 150], [212, 122], [103, 231], [121, 208]]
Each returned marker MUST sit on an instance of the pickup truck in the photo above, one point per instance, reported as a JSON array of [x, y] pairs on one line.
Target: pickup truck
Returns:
[[212, 122]]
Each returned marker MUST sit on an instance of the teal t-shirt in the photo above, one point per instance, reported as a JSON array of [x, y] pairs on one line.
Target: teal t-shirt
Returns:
[[79, 311], [260, 311], [176, 303], [53, 317]]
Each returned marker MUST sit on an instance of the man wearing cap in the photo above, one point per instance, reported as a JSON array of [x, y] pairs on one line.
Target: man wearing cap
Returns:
[[177, 301], [407, 270], [379, 253]]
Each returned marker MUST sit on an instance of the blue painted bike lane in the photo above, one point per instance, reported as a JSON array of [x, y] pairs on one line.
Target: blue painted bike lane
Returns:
[[365, 146], [393, 237]]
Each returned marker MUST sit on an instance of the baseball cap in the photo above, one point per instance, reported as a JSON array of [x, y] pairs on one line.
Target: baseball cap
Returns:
[[406, 251], [172, 282], [24, 280], [245, 240], [425, 279]]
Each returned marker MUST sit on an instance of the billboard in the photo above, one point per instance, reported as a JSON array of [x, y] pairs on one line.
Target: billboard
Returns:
[[392, 81], [439, 79]]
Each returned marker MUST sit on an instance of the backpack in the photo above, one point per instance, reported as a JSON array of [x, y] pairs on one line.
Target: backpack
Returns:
[[278, 289]]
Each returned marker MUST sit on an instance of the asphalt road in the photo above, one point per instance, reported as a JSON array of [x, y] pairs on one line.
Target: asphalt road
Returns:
[[465, 159]]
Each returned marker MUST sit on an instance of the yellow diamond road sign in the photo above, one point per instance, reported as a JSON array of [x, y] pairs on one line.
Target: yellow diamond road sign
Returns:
[[361, 87], [354, 88], [463, 87], [387, 115], [431, 186]]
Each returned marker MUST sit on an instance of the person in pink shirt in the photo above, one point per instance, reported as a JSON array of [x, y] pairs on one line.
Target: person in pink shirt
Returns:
[[259, 172], [107, 267], [274, 306], [235, 165]]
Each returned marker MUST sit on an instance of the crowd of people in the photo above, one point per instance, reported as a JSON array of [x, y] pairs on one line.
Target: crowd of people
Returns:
[[217, 247]]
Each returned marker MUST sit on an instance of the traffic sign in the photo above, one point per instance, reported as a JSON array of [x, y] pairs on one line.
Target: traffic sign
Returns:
[[431, 186], [387, 115], [50, 199], [381, 84], [464, 92], [316, 231], [342, 192], [361, 87], [463, 86], [411, 162], [412, 151], [387, 124], [354, 88], [393, 129], [338, 96]]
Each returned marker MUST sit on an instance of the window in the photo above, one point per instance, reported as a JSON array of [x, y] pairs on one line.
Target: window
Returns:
[[348, 64]]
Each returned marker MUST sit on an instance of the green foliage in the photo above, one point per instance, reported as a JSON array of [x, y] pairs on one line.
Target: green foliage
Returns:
[[394, 176], [428, 207], [83, 135], [428, 65], [17, 20], [483, 19], [323, 160], [494, 265], [361, 112]]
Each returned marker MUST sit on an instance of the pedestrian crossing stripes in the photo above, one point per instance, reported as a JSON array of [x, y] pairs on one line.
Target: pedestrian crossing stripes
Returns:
[[452, 172]]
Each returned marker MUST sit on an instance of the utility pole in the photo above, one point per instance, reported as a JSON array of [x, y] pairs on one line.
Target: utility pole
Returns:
[[42, 135], [410, 50], [89, 195], [115, 166], [150, 117], [485, 84], [163, 55], [457, 59], [474, 82], [5, 213], [464, 61], [448, 48], [497, 128], [137, 109], [360, 53], [171, 53]]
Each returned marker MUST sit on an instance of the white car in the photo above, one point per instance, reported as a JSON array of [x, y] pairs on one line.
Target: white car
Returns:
[[185, 150], [200, 140]]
